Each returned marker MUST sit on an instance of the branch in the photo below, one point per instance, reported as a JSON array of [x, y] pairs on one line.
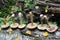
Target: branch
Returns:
[[49, 4]]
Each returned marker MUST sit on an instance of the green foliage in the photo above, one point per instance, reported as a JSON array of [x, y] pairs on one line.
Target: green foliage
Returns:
[[46, 7], [6, 9], [54, 23], [11, 2], [10, 21], [15, 9], [23, 21], [28, 1], [1, 21], [28, 4]]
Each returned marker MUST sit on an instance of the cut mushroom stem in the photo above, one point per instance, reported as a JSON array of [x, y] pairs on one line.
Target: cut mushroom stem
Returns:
[[31, 18]]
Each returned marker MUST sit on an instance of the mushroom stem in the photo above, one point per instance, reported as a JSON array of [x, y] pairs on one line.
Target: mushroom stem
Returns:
[[41, 23], [20, 17], [4, 20], [47, 21], [31, 18], [13, 20], [41, 19], [48, 24], [20, 7], [20, 21]]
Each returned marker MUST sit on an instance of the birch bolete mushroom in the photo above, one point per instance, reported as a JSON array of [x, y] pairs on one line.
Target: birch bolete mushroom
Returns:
[[21, 26], [5, 24], [51, 27], [31, 25], [42, 26], [14, 25]]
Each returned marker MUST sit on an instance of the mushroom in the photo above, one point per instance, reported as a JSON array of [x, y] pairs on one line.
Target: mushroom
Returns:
[[42, 26], [14, 25], [21, 26], [5, 24], [31, 25], [51, 27]]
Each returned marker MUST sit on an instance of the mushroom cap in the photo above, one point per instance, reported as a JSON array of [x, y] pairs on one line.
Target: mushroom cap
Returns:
[[12, 15], [52, 28], [29, 26], [20, 14], [15, 25], [21, 26], [42, 27], [5, 25], [36, 7]]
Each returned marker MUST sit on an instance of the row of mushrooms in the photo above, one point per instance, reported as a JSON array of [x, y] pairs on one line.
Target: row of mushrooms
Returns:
[[32, 25]]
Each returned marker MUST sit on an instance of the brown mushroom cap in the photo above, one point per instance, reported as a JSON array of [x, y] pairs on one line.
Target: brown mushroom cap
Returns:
[[5, 25], [30, 26], [52, 28], [42, 27], [21, 26], [15, 25]]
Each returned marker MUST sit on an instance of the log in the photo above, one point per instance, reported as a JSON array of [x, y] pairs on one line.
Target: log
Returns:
[[49, 4], [54, 9]]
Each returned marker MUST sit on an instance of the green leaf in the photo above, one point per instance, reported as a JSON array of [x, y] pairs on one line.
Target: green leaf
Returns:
[[15, 18], [46, 7], [1, 23], [0, 12], [10, 22], [16, 9], [54, 23], [0, 19], [28, 1], [23, 21], [27, 5]]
